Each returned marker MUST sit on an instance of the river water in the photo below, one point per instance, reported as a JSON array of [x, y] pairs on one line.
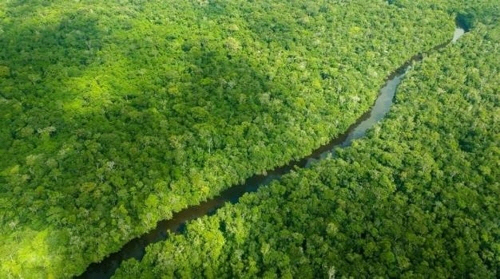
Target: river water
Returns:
[[136, 247]]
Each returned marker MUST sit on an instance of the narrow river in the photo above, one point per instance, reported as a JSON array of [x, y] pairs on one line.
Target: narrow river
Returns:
[[136, 247]]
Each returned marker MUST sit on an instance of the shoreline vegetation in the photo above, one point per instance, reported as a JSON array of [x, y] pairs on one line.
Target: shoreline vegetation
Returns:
[[136, 248], [419, 197]]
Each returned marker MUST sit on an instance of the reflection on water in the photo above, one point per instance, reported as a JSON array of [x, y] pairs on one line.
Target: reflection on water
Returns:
[[379, 110], [459, 32]]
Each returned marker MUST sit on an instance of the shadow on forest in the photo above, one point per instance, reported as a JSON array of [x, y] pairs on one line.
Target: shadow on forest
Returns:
[[40, 56], [44, 60]]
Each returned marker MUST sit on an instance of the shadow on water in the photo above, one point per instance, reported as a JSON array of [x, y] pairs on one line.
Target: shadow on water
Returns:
[[136, 247]]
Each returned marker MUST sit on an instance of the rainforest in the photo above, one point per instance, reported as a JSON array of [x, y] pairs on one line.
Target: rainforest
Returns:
[[250, 139]]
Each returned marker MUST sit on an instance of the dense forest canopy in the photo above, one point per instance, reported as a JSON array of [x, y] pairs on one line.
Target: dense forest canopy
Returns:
[[418, 198], [115, 114]]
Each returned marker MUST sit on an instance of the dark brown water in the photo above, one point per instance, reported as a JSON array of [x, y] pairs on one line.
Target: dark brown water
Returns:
[[136, 247]]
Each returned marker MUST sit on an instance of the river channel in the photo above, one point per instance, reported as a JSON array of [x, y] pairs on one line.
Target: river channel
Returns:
[[136, 247]]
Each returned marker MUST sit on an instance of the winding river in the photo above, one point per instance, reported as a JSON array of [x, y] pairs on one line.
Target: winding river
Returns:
[[136, 247]]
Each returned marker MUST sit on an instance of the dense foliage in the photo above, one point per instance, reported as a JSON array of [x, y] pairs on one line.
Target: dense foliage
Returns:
[[418, 198], [114, 114]]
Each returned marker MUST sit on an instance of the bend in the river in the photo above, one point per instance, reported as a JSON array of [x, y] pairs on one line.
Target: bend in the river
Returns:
[[136, 247]]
